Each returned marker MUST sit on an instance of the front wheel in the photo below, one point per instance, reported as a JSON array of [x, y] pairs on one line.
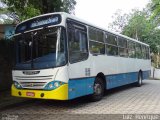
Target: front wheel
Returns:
[[98, 90]]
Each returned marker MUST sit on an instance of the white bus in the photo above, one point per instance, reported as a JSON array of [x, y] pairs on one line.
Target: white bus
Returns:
[[59, 56]]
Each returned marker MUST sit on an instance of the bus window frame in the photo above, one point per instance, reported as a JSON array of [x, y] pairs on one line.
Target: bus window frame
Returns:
[[96, 41], [134, 48], [125, 48], [113, 45], [70, 21]]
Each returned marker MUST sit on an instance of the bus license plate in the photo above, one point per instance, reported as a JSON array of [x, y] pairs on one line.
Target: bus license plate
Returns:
[[31, 94]]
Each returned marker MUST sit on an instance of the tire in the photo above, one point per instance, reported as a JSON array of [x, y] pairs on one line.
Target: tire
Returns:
[[139, 82], [98, 89]]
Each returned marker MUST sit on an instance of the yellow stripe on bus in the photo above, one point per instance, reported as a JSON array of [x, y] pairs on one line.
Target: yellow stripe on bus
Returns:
[[60, 93]]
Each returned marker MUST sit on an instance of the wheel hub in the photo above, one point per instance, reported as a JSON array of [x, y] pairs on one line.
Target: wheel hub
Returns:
[[97, 89]]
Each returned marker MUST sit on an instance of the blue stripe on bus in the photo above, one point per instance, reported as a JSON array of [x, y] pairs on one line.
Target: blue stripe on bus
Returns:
[[121, 79], [80, 87], [146, 74], [84, 86]]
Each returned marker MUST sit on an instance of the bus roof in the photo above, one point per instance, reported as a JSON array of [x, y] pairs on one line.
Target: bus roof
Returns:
[[66, 15]]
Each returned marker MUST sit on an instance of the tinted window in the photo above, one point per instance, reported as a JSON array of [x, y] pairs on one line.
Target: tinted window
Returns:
[[111, 39], [100, 36], [77, 44], [131, 49], [144, 52], [95, 34], [123, 52], [92, 34], [96, 48], [112, 50], [46, 49], [138, 50], [122, 42]]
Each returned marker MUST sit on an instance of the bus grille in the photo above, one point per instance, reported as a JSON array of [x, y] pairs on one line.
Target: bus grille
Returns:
[[33, 82], [33, 85]]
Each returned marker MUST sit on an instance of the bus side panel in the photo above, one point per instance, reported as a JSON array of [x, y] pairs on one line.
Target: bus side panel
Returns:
[[117, 80], [146, 74], [132, 77], [80, 87]]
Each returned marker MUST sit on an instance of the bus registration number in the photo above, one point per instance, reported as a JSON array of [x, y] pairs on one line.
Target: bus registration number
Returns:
[[31, 94]]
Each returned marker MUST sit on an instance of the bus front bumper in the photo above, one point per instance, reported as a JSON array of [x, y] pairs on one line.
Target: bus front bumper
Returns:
[[61, 93]]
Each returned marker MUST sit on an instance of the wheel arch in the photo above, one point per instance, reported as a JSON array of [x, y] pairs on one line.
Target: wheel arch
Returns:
[[140, 72], [102, 76]]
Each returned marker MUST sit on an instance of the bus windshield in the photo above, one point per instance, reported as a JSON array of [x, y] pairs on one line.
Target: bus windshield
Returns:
[[41, 49]]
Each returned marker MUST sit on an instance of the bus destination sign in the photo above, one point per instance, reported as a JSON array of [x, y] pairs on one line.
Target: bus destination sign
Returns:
[[38, 22], [44, 22]]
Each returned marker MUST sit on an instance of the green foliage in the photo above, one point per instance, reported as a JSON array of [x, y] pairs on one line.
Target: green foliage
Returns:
[[8, 21], [153, 39], [29, 8], [155, 60], [28, 12], [4, 11], [138, 25], [143, 29], [154, 7]]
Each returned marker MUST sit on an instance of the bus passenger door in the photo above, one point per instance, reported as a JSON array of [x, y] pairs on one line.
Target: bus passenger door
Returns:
[[79, 67]]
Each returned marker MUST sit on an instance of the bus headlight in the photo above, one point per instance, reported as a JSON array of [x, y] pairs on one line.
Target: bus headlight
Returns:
[[17, 85], [53, 85], [56, 84]]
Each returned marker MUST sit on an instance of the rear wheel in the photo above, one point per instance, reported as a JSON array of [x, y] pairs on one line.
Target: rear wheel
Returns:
[[98, 90], [139, 82]]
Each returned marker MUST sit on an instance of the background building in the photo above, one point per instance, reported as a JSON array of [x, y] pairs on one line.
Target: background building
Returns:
[[6, 31]]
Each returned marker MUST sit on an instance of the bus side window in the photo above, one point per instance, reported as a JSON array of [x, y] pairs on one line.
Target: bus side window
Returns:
[[143, 52], [111, 44], [96, 35], [111, 39], [96, 43], [122, 44], [77, 39], [92, 34], [96, 47], [138, 51], [131, 49], [112, 50]]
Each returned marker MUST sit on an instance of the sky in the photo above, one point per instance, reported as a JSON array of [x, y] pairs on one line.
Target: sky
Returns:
[[100, 12]]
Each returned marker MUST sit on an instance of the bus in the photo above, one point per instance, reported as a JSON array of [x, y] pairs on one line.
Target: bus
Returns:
[[61, 57]]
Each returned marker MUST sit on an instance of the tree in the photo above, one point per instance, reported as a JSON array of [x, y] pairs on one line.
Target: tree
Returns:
[[140, 27], [137, 25], [68, 6], [153, 39], [120, 21], [29, 8], [154, 7], [4, 15]]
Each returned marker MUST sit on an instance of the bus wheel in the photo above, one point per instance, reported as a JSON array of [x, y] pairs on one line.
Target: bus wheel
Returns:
[[98, 90], [139, 82]]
